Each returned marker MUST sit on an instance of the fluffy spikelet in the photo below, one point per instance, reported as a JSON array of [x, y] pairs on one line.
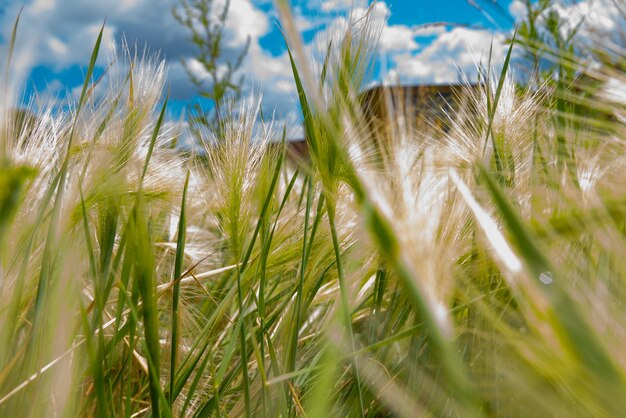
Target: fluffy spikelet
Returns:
[[111, 138], [235, 156], [514, 127], [404, 168], [109, 147]]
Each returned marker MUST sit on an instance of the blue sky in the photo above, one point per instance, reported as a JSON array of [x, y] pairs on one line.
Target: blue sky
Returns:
[[56, 37]]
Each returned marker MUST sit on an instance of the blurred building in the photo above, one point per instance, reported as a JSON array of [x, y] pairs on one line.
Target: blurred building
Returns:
[[425, 107]]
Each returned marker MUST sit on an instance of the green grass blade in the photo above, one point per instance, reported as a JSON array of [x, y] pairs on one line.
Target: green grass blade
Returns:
[[47, 267], [491, 107], [307, 115], [345, 305], [295, 328], [7, 72], [577, 332], [178, 267], [153, 138], [142, 250]]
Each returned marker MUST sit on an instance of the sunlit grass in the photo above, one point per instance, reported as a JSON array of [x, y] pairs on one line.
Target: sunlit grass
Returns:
[[474, 269]]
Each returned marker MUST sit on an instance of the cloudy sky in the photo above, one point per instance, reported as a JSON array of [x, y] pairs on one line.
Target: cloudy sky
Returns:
[[56, 37]]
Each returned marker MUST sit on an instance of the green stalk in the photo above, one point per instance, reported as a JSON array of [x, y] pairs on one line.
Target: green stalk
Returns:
[[243, 348], [491, 109], [291, 362], [239, 273], [445, 349], [178, 267], [263, 268], [345, 306]]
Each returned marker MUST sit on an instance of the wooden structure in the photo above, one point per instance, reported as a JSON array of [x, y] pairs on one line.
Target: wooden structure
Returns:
[[426, 105]]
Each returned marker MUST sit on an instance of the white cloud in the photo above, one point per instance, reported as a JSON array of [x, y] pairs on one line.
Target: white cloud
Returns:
[[244, 19], [453, 52], [337, 5], [60, 33], [428, 30], [456, 51], [397, 38], [57, 46], [40, 6], [303, 23], [272, 76], [67, 29], [517, 9], [599, 20]]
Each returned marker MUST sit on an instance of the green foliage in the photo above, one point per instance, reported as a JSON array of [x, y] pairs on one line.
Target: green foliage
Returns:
[[547, 42], [206, 26], [13, 181]]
